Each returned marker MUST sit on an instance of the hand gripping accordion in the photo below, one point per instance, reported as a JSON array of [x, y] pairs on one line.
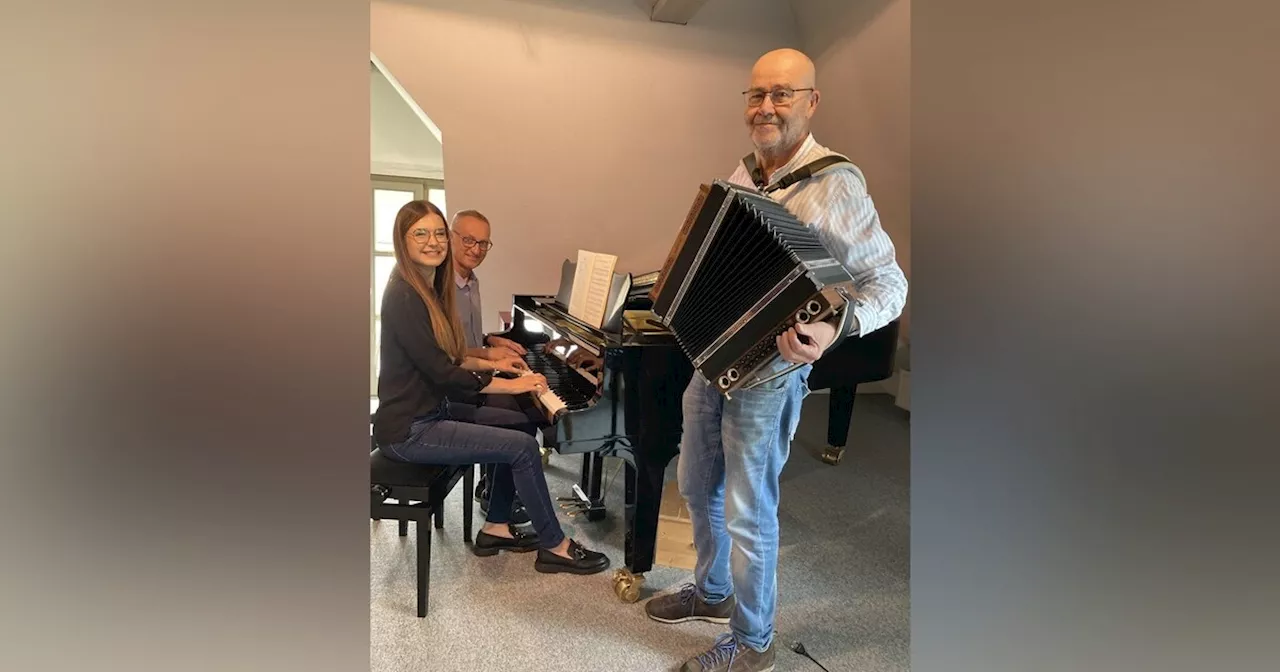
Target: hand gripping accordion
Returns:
[[743, 270]]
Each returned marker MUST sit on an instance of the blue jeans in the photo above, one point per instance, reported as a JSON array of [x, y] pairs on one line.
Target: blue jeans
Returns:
[[464, 434], [498, 401], [731, 454]]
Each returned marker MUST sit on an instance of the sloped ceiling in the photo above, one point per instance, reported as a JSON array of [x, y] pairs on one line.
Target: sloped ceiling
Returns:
[[400, 143]]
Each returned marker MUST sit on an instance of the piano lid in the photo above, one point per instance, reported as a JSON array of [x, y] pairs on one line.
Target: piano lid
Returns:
[[634, 329]]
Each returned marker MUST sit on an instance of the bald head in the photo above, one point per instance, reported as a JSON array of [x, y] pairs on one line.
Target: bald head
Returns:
[[786, 65], [781, 100]]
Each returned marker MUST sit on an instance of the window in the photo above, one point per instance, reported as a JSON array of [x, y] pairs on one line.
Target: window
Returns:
[[389, 194]]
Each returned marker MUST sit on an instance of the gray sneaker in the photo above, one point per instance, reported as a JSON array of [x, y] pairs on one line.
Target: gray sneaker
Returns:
[[729, 655], [687, 605]]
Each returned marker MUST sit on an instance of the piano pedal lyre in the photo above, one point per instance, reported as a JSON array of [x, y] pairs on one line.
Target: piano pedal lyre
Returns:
[[576, 505], [627, 585]]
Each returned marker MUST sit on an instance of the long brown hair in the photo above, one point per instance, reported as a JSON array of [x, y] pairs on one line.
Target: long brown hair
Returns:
[[439, 295]]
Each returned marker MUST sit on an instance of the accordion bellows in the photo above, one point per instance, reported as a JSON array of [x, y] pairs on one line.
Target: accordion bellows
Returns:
[[741, 271]]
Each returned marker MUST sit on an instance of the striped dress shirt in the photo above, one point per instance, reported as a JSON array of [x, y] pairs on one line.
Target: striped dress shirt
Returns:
[[838, 206]]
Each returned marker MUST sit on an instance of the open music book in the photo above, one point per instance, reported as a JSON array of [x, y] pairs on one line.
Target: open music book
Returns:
[[592, 281]]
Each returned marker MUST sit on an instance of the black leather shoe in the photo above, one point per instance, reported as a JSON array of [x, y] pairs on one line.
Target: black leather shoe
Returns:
[[489, 544], [520, 517], [580, 561]]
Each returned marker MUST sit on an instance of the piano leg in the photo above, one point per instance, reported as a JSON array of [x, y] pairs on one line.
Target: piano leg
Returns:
[[643, 504], [644, 501], [628, 579], [658, 379], [839, 417]]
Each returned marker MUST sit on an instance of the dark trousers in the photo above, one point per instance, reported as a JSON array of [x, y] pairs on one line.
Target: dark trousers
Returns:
[[466, 434], [499, 401]]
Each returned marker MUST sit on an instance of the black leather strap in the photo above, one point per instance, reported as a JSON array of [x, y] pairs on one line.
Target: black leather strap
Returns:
[[753, 170], [802, 173], [844, 326]]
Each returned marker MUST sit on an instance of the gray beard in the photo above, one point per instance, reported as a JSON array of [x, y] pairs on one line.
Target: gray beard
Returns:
[[777, 149]]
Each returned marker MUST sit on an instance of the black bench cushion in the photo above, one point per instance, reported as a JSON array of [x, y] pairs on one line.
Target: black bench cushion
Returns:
[[386, 471]]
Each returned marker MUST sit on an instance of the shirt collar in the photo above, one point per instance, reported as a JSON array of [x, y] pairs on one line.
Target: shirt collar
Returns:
[[462, 284], [796, 160]]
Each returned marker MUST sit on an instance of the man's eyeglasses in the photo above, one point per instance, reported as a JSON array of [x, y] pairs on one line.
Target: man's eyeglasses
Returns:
[[779, 97], [468, 241], [421, 235]]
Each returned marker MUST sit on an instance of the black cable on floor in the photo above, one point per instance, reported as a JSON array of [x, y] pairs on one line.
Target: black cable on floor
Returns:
[[799, 648]]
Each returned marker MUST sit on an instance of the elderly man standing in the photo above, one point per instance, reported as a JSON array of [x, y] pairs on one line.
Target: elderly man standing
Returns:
[[733, 450]]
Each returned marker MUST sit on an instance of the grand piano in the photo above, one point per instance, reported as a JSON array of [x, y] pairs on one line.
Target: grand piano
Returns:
[[618, 390]]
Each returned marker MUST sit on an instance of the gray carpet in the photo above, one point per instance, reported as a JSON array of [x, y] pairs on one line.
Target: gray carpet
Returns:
[[843, 575]]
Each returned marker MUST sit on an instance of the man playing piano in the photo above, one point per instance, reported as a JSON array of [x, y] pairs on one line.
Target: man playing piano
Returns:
[[471, 240], [732, 451], [471, 243]]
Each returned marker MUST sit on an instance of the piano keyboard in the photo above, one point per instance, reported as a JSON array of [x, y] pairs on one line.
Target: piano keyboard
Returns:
[[572, 388]]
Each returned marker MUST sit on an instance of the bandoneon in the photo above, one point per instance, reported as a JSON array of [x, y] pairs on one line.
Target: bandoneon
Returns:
[[742, 271]]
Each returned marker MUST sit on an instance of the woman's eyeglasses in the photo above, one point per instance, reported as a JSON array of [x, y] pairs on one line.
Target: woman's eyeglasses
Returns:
[[422, 235]]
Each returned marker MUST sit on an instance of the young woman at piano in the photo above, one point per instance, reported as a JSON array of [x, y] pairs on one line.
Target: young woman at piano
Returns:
[[423, 360]]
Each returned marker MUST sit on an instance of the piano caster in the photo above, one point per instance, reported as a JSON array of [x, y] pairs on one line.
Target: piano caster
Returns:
[[832, 455], [627, 585]]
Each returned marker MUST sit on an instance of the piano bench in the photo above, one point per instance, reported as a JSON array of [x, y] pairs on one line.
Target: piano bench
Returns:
[[419, 491]]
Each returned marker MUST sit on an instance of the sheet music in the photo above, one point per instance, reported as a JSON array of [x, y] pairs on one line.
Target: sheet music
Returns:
[[591, 282]]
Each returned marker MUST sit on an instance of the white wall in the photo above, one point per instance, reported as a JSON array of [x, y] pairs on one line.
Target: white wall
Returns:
[[577, 124], [399, 141], [862, 50]]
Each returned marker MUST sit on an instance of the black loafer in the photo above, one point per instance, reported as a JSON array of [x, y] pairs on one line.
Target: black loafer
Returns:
[[580, 561], [489, 544], [520, 517]]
